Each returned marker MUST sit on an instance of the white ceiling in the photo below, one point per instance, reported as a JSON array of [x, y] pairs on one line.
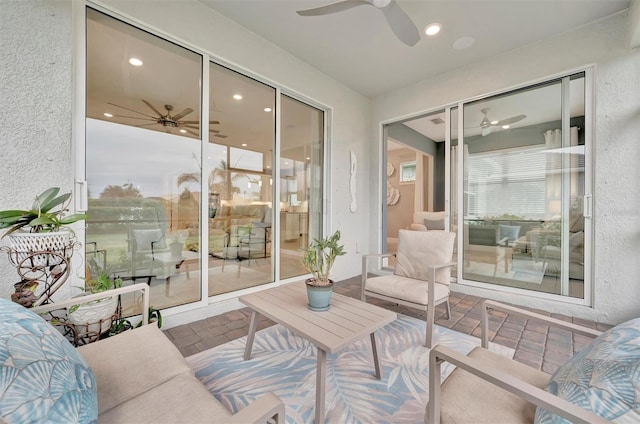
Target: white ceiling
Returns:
[[357, 48]]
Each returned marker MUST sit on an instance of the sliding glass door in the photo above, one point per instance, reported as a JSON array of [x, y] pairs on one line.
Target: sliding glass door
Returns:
[[524, 189], [173, 201], [142, 137]]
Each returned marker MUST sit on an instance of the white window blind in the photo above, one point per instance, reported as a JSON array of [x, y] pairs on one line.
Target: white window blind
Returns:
[[507, 182]]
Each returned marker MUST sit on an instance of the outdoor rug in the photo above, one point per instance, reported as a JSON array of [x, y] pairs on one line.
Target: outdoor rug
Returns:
[[286, 365]]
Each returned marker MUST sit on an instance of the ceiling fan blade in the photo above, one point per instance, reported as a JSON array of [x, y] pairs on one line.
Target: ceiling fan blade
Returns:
[[401, 24], [152, 108], [511, 120], [195, 127], [197, 122], [220, 136], [214, 131], [181, 114], [146, 125], [135, 117], [192, 133], [332, 8], [132, 110]]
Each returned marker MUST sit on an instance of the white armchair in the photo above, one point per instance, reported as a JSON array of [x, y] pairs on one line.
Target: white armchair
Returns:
[[489, 388], [421, 276]]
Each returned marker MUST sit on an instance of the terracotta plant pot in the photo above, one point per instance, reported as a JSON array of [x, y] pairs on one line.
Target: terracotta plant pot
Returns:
[[319, 296]]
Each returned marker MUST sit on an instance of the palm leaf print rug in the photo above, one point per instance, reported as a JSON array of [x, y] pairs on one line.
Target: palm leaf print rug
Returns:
[[285, 364]]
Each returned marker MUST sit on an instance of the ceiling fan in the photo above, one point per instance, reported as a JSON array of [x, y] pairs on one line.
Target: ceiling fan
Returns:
[[168, 120], [486, 125], [400, 23]]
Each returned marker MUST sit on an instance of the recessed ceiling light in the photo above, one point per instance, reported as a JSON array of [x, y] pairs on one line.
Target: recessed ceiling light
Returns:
[[268, 166], [464, 43], [308, 158], [108, 115], [506, 127], [183, 131], [237, 96], [244, 144], [135, 61], [494, 122], [267, 109], [432, 29], [286, 163]]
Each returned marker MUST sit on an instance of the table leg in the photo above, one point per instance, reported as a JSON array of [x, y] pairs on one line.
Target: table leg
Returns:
[[376, 359], [252, 332], [321, 380]]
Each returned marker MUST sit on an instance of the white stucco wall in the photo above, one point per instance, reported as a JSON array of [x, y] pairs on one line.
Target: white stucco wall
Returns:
[[35, 93], [617, 147]]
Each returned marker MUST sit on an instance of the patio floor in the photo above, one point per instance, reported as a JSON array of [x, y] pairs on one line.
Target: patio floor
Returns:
[[535, 345]]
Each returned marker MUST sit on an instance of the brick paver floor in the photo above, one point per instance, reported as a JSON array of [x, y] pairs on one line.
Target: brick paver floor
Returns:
[[535, 345]]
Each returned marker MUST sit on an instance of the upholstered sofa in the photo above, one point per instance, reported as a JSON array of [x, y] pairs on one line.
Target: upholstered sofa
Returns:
[[240, 231], [138, 376]]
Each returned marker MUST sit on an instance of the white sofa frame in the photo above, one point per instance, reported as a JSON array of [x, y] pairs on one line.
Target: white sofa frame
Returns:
[[530, 393]]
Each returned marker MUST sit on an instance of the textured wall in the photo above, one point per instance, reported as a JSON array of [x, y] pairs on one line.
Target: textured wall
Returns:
[[35, 93], [617, 148]]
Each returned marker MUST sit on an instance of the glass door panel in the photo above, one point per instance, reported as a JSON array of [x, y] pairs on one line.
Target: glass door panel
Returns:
[[240, 157], [523, 189], [142, 136], [301, 165]]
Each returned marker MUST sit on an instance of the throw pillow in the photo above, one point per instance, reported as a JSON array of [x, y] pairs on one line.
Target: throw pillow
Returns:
[[510, 232], [604, 377], [42, 376], [434, 224]]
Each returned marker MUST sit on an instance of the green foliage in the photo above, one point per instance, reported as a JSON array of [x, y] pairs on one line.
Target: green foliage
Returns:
[[98, 285], [46, 214], [319, 257]]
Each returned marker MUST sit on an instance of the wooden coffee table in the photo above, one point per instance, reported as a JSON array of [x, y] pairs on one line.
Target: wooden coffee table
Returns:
[[346, 321]]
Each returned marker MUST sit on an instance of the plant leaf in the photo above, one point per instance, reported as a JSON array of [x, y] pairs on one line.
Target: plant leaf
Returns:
[[45, 197], [46, 207], [69, 219]]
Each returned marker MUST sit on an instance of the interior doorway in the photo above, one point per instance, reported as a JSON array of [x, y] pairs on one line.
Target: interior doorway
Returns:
[[415, 174]]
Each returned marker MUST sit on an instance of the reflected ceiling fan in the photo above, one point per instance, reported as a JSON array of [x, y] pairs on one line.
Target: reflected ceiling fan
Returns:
[[168, 120], [487, 125], [400, 23]]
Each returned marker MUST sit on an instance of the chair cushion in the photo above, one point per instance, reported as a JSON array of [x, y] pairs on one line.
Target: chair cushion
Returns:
[[144, 238], [404, 288], [469, 399], [42, 377], [510, 232], [417, 250], [124, 370], [604, 377]]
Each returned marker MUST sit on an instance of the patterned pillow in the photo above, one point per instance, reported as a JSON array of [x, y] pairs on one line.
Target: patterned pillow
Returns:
[[42, 377], [604, 377]]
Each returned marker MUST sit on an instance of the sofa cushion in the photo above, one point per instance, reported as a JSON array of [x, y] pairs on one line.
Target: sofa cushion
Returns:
[[604, 377], [434, 224], [398, 287], [42, 377], [461, 386], [417, 250], [124, 370], [510, 232], [183, 399]]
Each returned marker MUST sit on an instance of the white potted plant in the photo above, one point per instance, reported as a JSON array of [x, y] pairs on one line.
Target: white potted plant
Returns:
[[94, 318], [40, 229], [318, 259]]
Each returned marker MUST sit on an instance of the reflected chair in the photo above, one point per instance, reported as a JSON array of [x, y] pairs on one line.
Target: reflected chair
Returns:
[[421, 275], [147, 244], [489, 388]]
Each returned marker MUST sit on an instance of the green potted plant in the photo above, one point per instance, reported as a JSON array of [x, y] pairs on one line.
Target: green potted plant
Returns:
[[97, 316], [318, 259], [39, 229]]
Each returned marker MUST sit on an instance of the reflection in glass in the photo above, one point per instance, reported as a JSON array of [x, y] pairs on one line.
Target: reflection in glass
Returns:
[[141, 137], [523, 190], [240, 153], [301, 164]]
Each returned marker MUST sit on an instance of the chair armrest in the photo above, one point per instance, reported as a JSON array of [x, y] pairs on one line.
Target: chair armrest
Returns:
[[260, 411], [88, 298], [490, 305], [520, 388], [440, 266], [417, 227]]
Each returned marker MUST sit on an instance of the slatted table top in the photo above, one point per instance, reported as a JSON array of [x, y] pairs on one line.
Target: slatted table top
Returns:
[[346, 321]]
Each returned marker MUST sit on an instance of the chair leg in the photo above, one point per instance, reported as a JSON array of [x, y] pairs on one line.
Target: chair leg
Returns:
[[448, 310], [429, 336]]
